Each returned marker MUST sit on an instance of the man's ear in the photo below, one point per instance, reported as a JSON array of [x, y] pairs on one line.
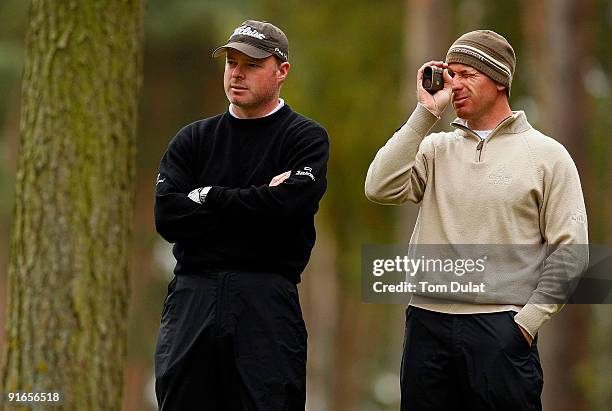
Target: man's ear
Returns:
[[500, 87], [283, 71]]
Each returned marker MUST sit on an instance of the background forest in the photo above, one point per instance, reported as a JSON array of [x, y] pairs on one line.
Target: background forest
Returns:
[[353, 70]]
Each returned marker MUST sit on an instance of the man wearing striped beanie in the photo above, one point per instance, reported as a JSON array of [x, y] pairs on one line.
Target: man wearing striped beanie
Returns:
[[494, 180], [487, 52]]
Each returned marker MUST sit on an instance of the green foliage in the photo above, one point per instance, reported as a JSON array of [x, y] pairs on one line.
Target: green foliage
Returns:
[[12, 31], [346, 74]]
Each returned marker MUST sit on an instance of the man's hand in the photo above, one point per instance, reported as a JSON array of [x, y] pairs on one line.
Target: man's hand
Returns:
[[436, 103], [527, 336], [277, 180]]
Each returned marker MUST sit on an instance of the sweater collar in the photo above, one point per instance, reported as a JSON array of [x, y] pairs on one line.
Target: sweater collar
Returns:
[[514, 124], [280, 105], [250, 122]]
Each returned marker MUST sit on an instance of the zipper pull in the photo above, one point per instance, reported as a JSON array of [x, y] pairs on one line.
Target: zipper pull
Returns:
[[479, 146]]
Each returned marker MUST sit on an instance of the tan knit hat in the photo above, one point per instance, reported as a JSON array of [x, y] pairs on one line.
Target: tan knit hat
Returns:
[[486, 51]]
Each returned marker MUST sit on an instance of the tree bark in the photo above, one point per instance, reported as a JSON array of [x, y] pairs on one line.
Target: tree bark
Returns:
[[68, 270]]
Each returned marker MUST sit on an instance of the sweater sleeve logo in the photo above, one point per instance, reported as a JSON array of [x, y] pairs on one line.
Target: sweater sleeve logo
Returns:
[[307, 171], [579, 216], [159, 180]]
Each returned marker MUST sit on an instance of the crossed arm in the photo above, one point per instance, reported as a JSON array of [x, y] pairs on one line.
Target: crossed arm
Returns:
[[292, 194]]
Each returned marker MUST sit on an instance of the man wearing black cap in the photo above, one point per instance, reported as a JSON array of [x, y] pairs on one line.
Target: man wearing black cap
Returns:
[[237, 194], [494, 180]]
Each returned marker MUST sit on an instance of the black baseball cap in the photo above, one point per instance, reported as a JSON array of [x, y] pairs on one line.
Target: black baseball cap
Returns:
[[257, 39]]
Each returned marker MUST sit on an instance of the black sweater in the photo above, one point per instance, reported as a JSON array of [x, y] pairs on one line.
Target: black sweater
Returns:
[[244, 224]]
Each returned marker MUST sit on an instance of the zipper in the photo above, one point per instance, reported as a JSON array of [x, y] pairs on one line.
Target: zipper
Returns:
[[481, 142], [479, 147], [476, 136]]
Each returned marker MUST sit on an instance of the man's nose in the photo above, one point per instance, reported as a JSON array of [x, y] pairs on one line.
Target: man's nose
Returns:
[[237, 72], [455, 83]]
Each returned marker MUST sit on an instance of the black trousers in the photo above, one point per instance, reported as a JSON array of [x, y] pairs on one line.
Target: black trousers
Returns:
[[231, 341], [468, 362]]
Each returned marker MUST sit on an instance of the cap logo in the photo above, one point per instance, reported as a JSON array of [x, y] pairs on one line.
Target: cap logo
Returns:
[[276, 49], [248, 31]]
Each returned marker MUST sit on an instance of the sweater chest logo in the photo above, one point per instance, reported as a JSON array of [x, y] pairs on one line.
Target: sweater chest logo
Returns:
[[500, 177]]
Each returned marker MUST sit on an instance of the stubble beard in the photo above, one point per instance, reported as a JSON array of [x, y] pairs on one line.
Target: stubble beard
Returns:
[[253, 101]]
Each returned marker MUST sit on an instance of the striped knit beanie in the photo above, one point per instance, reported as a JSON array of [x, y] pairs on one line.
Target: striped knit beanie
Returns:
[[487, 52]]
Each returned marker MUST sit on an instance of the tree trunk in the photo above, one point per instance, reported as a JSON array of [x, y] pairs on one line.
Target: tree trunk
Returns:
[[426, 37], [560, 45], [319, 297], [68, 270]]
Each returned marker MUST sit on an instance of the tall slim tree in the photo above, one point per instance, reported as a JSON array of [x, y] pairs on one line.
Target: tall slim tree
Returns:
[[427, 36], [68, 270], [559, 36]]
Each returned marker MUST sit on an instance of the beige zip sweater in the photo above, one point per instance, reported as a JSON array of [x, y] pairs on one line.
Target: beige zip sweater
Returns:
[[517, 187]]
